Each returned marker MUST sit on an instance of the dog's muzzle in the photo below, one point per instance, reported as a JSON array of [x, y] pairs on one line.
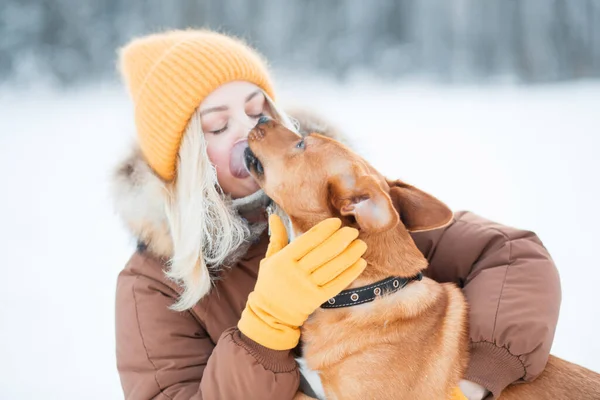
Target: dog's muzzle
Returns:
[[252, 162]]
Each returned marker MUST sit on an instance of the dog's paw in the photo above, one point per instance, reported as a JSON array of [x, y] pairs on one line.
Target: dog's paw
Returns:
[[472, 390]]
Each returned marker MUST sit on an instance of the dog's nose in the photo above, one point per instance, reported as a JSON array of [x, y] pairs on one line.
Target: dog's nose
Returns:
[[263, 120]]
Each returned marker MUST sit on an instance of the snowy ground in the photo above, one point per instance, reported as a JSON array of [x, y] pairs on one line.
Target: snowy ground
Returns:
[[524, 157]]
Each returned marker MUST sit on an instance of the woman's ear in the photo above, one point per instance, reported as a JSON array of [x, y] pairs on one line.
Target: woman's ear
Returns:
[[418, 210], [363, 198]]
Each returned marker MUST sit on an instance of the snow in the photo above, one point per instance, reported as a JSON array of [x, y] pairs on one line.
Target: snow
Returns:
[[525, 157]]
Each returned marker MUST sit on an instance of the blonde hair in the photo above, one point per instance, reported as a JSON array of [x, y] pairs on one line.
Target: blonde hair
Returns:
[[204, 225]]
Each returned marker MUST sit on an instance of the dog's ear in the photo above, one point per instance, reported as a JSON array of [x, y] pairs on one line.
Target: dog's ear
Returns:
[[363, 199], [418, 210]]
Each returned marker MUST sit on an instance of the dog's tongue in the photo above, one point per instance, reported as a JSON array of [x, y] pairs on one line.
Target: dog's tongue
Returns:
[[237, 167]]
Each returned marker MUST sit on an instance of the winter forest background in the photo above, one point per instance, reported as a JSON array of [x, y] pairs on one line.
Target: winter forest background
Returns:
[[459, 40], [491, 105]]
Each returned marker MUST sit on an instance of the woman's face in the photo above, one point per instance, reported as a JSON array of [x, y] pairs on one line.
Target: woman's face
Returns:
[[228, 114]]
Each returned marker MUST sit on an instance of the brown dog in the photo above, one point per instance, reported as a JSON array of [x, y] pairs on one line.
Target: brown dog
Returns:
[[411, 344], [411, 341]]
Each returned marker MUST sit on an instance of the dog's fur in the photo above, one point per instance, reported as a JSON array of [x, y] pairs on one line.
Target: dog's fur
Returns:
[[560, 380], [408, 345]]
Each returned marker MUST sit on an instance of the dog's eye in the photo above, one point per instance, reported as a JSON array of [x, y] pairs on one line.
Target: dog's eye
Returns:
[[300, 144]]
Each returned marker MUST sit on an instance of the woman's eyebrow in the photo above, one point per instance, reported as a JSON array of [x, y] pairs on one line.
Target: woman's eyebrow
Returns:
[[251, 95], [213, 109], [225, 108]]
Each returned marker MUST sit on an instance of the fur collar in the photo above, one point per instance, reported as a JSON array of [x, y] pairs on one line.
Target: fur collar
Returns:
[[138, 197]]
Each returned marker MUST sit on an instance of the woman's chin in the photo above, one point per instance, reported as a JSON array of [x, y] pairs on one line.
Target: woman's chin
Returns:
[[252, 184], [245, 187]]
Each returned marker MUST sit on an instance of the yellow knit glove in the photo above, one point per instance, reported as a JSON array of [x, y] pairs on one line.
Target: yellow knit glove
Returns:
[[457, 394], [295, 279]]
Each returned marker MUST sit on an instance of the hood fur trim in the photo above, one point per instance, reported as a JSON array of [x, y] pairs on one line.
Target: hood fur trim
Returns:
[[139, 200]]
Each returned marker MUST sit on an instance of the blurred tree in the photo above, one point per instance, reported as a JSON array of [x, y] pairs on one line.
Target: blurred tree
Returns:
[[69, 41]]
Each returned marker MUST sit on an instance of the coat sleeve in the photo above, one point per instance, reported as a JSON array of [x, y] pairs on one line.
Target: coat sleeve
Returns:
[[513, 290], [163, 354]]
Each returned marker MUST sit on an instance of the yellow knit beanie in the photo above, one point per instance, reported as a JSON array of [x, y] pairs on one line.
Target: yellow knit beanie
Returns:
[[169, 74]]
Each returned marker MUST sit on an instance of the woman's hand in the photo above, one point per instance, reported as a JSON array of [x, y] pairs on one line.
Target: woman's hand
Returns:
[[295, 279]]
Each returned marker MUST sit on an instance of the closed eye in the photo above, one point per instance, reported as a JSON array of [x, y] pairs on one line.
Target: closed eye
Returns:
[[216, 132]]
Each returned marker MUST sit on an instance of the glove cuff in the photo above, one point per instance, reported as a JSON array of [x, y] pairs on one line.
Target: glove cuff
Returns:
[[268, 331]]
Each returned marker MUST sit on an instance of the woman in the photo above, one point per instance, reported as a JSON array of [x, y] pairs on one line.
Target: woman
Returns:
[[207, 329]]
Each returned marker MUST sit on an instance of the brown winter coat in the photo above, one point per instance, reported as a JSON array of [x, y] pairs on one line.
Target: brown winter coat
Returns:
[[507, 276]]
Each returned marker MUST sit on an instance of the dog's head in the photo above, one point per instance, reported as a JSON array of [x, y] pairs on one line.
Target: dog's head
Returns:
[[315, 177]]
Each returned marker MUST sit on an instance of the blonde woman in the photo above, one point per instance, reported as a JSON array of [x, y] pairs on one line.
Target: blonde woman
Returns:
[[195, 319]]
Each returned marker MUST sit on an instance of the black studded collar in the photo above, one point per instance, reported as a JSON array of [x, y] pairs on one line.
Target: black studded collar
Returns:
[[365, 294]]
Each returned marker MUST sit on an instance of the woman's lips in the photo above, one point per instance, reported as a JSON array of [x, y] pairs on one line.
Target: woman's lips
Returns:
[[237, 167]]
